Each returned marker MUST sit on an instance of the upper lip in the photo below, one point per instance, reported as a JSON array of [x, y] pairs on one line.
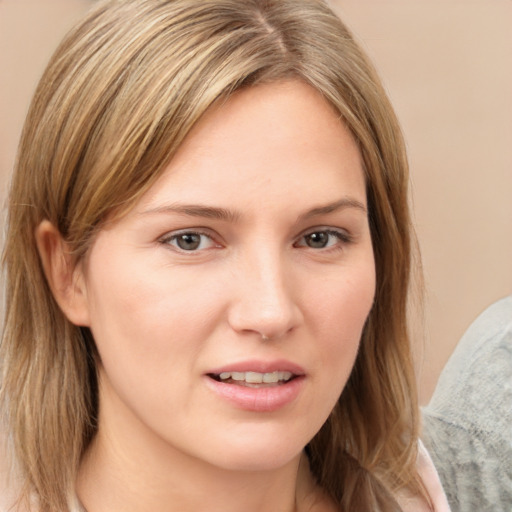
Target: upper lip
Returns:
[[260, 367]]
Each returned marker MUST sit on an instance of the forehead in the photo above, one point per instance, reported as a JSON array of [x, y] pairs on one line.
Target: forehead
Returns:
[[268, 139]]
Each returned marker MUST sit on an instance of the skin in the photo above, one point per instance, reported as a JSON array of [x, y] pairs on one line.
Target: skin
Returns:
[[283, 176]]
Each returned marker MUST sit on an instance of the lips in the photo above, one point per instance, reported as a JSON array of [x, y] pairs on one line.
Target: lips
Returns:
[[257, 386]]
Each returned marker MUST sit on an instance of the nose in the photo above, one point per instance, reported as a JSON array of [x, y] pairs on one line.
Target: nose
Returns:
[[266, 302]]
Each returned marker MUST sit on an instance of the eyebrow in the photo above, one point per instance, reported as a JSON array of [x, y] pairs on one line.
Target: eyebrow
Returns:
[[342, 204], [217, 213], [196, 210]]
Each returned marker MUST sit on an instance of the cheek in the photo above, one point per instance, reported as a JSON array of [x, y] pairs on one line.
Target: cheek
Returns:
[[345, 302], [340, 313], [148, 330], [148, 321], [142, 293]]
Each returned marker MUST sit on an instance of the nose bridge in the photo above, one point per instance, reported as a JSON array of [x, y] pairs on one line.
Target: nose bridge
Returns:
[[265, 301]]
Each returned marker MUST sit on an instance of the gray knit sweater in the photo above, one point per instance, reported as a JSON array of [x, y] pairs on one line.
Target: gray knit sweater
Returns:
[[468, 423]]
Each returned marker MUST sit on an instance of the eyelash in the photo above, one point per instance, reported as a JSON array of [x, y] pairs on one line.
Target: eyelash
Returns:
[[343, 238], [170, 238]]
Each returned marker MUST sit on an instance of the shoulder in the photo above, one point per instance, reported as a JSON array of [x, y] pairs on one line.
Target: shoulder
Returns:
[[467, 423], [476, 383], [474, 391]]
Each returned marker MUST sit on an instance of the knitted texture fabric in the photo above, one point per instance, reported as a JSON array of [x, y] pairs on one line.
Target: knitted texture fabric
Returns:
[[468, 423]]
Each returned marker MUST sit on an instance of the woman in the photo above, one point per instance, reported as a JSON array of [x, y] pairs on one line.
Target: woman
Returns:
[[207, 261]]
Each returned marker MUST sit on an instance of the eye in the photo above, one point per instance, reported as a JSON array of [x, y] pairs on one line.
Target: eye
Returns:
[[189, 241], [323, 239]]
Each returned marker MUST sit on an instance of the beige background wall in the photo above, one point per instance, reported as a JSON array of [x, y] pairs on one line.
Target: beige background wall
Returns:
[[446, 65]]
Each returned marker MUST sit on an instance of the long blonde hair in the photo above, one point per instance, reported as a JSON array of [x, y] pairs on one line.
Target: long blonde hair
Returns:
[[115, 102]]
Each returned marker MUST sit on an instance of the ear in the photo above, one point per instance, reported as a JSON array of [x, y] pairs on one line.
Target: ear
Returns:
[[64, 276]]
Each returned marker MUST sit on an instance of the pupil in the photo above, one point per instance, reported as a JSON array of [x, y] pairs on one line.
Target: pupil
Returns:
[[317, 240], [189, 242]]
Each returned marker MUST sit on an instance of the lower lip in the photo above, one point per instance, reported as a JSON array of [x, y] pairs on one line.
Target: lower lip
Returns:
[[265, 399]]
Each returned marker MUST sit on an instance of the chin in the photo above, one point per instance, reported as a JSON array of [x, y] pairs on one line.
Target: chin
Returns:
[[258, 462], [258, 453]]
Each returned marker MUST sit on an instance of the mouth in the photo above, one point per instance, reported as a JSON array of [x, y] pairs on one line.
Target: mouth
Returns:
[[254, 379], [257, 386]]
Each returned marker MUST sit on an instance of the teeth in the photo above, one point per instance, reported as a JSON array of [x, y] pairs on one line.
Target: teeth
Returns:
[[253, 377], [284, 375], [271, 377], [256, 377]]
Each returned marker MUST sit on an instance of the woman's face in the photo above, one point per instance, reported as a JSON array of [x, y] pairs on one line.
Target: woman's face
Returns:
[[228, 305]]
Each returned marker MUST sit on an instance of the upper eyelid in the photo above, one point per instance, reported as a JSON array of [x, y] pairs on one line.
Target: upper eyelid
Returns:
[[328, 229], [196, 231]]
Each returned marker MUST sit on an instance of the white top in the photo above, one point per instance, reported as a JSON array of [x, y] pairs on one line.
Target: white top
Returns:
[[432, 484]]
